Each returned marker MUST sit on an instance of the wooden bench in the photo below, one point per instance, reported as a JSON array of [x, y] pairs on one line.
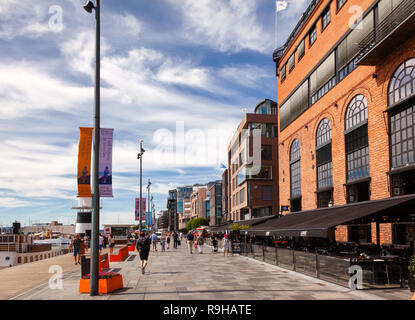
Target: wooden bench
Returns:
[[121, 255]]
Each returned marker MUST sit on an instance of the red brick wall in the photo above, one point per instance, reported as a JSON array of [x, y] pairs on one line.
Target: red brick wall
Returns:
[[385, 233], [341, 233]]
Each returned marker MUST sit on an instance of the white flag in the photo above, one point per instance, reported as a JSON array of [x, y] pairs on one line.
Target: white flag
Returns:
[[281, 5]]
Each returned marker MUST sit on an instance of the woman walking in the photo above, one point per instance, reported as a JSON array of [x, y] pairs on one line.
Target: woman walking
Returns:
[[225, 245], [200, 242], [163, 242], [111, 242], [143, 247], [168, 241]]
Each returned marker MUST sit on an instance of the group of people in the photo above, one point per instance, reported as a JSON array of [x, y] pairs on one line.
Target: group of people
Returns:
[[79, 246], [200, 241]]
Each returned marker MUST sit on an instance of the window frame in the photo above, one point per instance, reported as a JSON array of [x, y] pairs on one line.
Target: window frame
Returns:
[[313, 30], [295, 165], [325, 23], [323, 142]]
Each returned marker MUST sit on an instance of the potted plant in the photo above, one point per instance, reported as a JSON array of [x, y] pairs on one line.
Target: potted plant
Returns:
[[107, 282], [411, 280]]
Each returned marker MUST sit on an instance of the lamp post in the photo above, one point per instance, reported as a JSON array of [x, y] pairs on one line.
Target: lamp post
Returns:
[[140, 157], [148, 200], [95, 183]]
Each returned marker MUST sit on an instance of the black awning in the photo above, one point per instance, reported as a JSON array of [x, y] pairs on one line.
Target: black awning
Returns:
[[221, 227], [316, 223], [251, 222]]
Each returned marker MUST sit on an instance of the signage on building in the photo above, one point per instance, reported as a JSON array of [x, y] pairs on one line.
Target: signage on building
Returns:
[[303, 233], [285, 208]]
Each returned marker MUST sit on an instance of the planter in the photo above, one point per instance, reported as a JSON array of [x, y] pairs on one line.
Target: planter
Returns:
[[411, 282], [104, 285]]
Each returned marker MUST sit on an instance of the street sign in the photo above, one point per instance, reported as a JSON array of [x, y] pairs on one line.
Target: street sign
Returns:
[[236, 247], [285, 208]]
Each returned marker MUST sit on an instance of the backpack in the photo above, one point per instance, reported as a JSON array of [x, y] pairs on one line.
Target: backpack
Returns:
[[190, 237]]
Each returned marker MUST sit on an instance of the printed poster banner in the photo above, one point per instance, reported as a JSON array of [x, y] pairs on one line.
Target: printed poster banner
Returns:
[[143, 209], [149, 218], [105, 163], [84, 162]]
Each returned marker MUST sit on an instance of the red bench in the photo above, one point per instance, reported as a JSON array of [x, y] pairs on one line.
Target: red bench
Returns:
[[104, 262], [120, 256], [131, 247]]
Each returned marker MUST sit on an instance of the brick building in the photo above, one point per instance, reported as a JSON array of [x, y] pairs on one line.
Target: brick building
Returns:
[[197, 199], [225, 199], [254, 193], [346, 92]]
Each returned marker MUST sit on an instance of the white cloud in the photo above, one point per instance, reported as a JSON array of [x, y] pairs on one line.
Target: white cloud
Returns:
[[249, 76], [226, 25]]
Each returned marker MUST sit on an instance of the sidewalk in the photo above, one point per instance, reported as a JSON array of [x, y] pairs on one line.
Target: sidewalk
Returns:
[[178, 275]]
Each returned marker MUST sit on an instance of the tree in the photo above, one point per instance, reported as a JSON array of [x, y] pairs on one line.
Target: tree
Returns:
[[197, 222], [238, 228]]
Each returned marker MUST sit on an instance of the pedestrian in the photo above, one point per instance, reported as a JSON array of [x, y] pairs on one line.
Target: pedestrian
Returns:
[[154, 241], [143, 247], [225, 245], [175, 239], [190, 237], [76, 247], [100, 243], [215, 244], [86, 242], [111, 242], [105, 242], [168, 241], [163, 242], [212, 238], [200, 242]]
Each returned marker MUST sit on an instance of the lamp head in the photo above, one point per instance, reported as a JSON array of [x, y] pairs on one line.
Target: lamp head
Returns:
[[89, 6]]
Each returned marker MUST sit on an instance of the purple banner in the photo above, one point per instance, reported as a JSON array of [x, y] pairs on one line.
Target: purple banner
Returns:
[[105, 163], [137, 209]]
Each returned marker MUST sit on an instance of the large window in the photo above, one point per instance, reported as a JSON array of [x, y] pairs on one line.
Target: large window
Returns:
[[324, 156], [300, 50], [296, 104], [291, 61], [402, 84], [325, 20], [266, 152], [340, 3], [323, 78], [295, 170], [402, 120], [357, 144], [283, 71], [313, 35]]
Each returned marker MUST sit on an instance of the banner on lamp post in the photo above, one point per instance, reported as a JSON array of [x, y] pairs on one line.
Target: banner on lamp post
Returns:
[[84, 162], [143, 209], [149, 219], [105, 163]]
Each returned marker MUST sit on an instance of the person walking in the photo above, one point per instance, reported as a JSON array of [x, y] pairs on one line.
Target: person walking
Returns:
[[143, 247], [163, 242], [111, 242], [175, 239], [212, 238], [190, 237], [200, 242], [76, 247], [154, 241], [168, 241], [225, 245], [86, 242], [215, 244], [100, 243]]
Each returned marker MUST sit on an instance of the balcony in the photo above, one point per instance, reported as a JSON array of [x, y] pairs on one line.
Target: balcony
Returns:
[[394, 30]]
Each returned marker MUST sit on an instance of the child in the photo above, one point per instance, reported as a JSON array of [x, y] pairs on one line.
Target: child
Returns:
[[163, 242]]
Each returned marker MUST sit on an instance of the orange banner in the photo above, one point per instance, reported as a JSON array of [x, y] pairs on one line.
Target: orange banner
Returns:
[[84, 163]]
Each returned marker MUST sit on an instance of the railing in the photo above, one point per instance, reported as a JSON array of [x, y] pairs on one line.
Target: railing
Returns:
[[24, 247], [389, 24], [375, 272]]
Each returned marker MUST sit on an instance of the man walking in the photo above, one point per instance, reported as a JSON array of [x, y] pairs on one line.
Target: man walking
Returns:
[[190, 238], [175, 239], [154, 241], [76, 246]]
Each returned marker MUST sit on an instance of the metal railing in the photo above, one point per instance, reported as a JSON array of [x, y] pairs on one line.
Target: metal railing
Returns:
[[24, 247], [386, 27]]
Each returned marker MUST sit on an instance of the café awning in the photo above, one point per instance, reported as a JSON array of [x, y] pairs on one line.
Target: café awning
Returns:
[[317, 223], [250, 222]]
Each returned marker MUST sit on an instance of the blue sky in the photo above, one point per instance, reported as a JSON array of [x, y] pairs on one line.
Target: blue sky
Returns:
[[173, 73]]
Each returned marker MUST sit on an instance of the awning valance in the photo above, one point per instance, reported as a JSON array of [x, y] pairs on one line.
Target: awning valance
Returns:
[[316, 223]]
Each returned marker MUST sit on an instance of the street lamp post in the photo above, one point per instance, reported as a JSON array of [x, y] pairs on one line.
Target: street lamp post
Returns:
[[140, 157], [148, 198], [95, 183]]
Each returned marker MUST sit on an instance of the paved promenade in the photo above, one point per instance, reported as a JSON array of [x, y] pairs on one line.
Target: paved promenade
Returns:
[[177, 275]]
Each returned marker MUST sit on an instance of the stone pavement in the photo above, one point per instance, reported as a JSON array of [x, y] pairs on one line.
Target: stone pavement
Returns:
[[177, 275]]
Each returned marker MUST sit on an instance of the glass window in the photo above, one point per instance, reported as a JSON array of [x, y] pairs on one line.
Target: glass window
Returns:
[[266, 152], [313, 35], [291, 62], [385, 8], [402, 84], [340, 3], [325, 20], [356, 112], [323, 73], [300, 50], [324, 155], [349, 47], [267, 193], [283, 71], [295, 169], [294, 105], [402, 139]]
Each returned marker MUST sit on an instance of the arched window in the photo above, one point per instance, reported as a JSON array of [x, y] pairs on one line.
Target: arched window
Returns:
[[323, 155], [356, 135], [295, 170], [402, 84]]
